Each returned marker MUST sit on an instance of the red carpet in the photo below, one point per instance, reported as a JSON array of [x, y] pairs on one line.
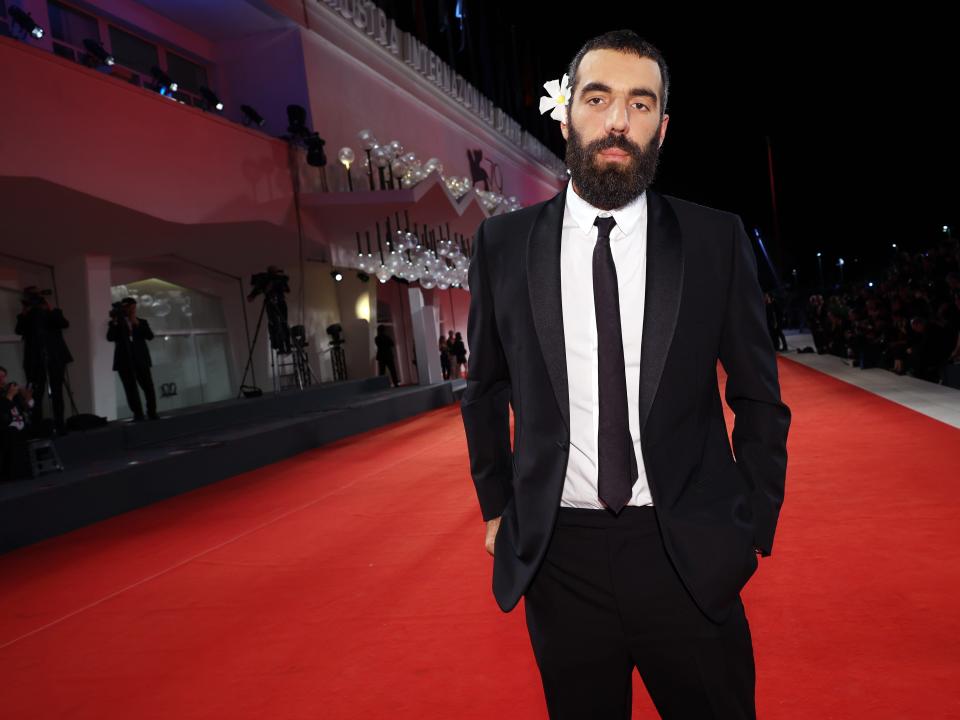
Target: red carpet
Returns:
[[351, 582]]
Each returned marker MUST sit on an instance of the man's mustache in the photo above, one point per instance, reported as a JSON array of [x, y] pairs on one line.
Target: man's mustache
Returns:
[[615, 141]]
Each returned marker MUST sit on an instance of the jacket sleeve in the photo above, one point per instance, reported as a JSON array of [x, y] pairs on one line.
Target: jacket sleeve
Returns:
[[59, 321], [144, 330], [485, 402], [761, 419]]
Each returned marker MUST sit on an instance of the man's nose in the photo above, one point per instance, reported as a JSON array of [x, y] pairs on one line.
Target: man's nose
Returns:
[[616, 119]]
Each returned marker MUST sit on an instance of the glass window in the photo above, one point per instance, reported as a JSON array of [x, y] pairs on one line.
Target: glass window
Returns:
[[71, 26], [188, 75], [191, 347], [132, 52], [213, 351], [11, 346]]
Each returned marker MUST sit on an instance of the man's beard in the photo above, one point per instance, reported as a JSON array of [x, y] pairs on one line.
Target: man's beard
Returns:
[[611, 184]]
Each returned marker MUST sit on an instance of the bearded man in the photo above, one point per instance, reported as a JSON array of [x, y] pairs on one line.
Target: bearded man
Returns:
[[620, 513]]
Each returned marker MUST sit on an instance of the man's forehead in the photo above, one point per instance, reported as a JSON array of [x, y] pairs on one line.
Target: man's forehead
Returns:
[[618, 70]]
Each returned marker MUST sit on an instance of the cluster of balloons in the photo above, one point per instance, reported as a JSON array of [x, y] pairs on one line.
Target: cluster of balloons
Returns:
[[491, 200], [458, 186], [431, 269], [404, 165], [160, 304]]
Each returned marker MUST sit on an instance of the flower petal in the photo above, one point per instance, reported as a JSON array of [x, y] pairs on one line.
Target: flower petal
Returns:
[[546, 103], [559, 113], [552, 87]]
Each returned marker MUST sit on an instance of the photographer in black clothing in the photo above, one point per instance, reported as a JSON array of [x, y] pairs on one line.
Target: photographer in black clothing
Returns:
[[274, 284], [45, 354], [131, 356]]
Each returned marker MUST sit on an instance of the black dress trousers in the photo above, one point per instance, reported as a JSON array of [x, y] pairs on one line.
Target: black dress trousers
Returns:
[[607, 599]]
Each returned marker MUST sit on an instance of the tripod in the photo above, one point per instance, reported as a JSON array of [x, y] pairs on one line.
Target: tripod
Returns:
[[294, 365], [252, 390], [338, 359], [45, 380]]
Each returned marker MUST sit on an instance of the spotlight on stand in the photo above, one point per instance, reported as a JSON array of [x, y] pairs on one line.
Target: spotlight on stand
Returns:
[[163, 84], [299, 135], [97, 55], [25, 22], [251, 116], [213, 102]]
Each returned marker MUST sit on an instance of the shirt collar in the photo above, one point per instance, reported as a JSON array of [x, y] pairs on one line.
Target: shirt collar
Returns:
[[584, 214]]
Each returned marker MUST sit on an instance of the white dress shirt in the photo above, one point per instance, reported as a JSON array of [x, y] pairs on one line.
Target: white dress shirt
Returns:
[[628, 245]]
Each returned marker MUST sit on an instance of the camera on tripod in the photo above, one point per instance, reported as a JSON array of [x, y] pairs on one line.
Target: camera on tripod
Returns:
[[272, 282], [289, 358], [34, 296]]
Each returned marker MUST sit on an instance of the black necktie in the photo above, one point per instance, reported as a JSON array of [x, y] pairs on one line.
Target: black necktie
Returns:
[[617, 462]]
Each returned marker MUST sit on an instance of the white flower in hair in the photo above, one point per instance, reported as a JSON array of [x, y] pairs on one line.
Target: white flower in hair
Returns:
[[558, 100]]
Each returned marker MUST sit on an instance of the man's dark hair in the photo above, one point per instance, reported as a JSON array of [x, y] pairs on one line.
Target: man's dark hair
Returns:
[[625, 41]]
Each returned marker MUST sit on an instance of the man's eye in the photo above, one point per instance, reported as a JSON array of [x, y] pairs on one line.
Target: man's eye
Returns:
[[590, 101]]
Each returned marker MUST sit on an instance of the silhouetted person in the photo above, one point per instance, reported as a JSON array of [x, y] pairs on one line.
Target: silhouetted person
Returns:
[[131, 356], [45, 354], [385, 359], [459, 356], [775, 322], [444, 358], [931, 350]]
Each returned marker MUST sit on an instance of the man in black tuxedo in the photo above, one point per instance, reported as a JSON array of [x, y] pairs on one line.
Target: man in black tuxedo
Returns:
[[621, 515], [131, 356]]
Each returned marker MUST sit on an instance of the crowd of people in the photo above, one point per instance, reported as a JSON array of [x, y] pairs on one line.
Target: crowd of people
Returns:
[[908, 322], [452, 348]]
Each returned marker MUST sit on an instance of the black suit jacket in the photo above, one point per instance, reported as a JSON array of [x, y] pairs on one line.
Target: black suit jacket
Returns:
[[42, 332], [130, 354], [702, 302]]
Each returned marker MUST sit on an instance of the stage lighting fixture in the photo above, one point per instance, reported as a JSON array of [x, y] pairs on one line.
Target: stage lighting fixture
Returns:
[[316, 157], [96, 51], [363, 276], [297, 120], [211, 98], [251, 116], [165, 86], [25, 22], [337, 275]]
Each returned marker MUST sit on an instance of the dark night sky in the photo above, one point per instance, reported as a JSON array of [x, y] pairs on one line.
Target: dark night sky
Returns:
[[861, 112]]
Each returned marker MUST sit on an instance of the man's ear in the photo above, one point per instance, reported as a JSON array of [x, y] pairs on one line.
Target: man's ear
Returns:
[[564, 130], [663, 128]]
